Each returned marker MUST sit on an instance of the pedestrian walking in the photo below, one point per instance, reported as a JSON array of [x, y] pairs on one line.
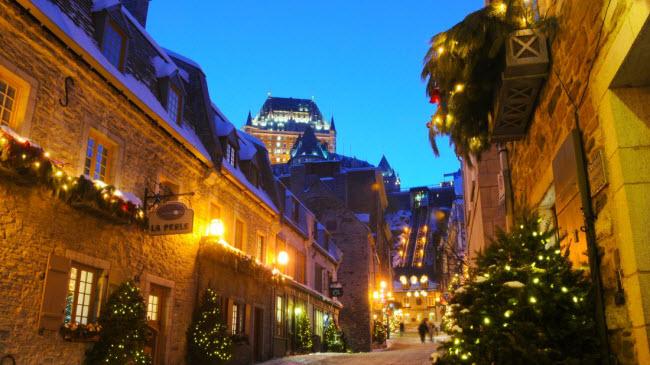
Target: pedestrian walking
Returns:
[[401, 329], [423, 329], [431, 327]]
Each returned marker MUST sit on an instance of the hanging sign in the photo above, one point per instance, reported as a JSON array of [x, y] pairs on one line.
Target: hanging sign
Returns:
[[171, 218], [336, 290]]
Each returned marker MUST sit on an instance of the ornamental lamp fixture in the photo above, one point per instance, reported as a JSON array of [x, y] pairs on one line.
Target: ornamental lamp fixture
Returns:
[[216, 228], [375, 295], [403, 280], [424, 279], [283, 258], [383, 285], [414, 279]]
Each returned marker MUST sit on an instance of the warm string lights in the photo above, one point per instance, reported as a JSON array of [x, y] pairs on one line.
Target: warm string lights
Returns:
[[30, 162], [523, 285], [208, 339], [124, 329]]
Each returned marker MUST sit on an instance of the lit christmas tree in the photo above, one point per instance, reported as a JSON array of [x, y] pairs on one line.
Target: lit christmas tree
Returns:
[[124, 329], [379, 332], [208, 339], [303, 334], [525, 306], [332, 338]]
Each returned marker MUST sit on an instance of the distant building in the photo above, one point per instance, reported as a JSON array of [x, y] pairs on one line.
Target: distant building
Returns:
[[391, 178], [281, 121], [348, 196]]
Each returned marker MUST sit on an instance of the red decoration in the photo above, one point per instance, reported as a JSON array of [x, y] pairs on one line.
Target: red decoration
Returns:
[[435, 96], [125, 207]]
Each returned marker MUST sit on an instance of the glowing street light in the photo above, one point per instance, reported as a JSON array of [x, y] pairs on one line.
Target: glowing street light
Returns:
[[383, 284], [283, 258], [216, 228]]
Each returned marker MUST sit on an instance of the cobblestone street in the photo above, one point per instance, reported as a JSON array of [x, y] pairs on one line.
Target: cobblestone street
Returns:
[[402, 350]]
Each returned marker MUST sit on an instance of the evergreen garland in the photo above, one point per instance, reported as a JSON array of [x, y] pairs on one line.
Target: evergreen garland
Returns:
[[463, 68], [526, 305], [333, 338], [304, 342], [207, 338], [124, 330]]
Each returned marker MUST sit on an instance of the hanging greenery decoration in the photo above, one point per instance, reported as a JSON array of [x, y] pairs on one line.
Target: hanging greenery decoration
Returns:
[[463, 69], [28, 162], [208, 340], [124, 330], [525, 305]]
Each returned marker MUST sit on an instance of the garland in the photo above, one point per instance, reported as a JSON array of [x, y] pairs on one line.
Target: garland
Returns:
[[463, 68], [238, 261], [29, 162]]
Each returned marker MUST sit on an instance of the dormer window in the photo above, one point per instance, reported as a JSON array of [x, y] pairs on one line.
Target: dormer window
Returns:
[[114, 45], [174, 103], [231, 155]]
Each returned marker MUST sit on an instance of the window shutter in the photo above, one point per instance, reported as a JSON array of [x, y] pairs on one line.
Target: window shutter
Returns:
[[567, 201], [229, 303], [248, 323], [54, 293]]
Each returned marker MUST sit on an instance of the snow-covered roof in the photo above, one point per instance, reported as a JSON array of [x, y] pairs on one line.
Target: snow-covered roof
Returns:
[[183, 58], [246, 148], [261, 194], [140, 90]]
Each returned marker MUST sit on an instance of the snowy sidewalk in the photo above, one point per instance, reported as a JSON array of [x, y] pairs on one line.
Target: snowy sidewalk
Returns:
[[401, 350]]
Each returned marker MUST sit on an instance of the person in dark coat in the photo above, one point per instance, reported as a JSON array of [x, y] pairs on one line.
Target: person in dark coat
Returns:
[[423, 329]]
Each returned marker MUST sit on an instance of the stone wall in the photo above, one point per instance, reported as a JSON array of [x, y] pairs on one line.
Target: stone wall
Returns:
[[33, 224], [578, 43]]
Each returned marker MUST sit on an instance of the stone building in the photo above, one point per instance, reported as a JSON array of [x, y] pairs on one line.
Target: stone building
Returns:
[[87, 92], [348, 196], [281, 121], [484, 205], [593, 111]]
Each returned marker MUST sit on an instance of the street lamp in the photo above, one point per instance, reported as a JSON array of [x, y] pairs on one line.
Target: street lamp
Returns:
[[283, 258], [216, 228]]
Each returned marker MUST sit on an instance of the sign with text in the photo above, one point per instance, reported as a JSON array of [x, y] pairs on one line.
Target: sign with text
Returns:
[[171, 218], [336, 290]]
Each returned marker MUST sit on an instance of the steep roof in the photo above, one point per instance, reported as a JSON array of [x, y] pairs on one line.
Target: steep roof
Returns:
[[309, 146], [274, 103]]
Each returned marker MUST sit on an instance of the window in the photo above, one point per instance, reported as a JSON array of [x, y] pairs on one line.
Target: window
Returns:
[[231, 156], [279, 316], [98, 157], [80, 301], [407, 301], [318, 278], [319, 322], [215, 211], [237, 323], [431, 300], [314, 230], [114, 45], [296, 211], [260, 250], [7, 102], [174, 104], [239, 234], [300, 267], [167, 187], [152, 307]]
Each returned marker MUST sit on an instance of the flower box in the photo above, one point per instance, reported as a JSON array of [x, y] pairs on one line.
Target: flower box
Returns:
[[526, 68], [16, 177], [92, 208]]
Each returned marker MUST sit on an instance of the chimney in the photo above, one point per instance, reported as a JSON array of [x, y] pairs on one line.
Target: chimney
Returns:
[[138, 8]]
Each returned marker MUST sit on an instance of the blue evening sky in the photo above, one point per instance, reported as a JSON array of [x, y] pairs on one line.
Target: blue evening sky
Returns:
[[360, 60]]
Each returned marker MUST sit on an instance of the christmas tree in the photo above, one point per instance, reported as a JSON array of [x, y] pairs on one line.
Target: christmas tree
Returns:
[[303, 334], [525, 305], [332, 338], [124, 329], [379, 333], [208, 339]]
